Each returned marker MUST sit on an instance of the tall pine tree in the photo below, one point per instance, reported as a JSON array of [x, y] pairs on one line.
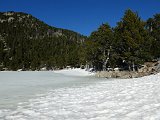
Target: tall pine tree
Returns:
[[133, 42]]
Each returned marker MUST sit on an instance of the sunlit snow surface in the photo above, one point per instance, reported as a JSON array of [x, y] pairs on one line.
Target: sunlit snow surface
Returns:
[[108, 99], [74, 72]]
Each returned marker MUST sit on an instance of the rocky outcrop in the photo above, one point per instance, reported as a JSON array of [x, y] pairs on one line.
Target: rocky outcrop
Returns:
[[147, 69], [116, 74], [157, 68]]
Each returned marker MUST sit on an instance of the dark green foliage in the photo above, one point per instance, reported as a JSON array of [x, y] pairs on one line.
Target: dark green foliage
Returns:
[[132, 40], [26, 42], [129, 43], [98, 44], [153, 27]]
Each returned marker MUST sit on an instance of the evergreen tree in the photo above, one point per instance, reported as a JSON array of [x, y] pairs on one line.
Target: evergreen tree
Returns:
[[153, 27], [100, 46], [132, 41]]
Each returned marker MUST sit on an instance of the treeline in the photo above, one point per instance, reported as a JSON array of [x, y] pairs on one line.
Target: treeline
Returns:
[[28, 43], [128, 45]]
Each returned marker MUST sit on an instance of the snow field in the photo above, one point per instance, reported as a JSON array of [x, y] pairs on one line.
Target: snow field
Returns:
[[117, 99], [74, 72]]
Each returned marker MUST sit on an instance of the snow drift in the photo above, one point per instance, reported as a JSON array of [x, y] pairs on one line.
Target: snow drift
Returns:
[[74, 72], [106, 99]]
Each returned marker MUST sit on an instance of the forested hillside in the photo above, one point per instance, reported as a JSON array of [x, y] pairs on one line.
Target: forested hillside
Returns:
[[29, 44]]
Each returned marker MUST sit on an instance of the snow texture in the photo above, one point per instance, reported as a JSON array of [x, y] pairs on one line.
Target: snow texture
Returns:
[[10, 19], [8, 13], [110, 99], [74, 72]]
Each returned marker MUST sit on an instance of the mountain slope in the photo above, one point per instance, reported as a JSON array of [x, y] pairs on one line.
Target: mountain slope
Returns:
[[28, 43]]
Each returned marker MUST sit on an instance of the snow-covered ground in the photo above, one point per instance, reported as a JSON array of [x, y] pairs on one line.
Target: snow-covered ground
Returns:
[[74, 72], [106, 99]]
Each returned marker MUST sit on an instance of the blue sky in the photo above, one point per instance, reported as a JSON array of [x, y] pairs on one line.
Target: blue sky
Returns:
[[83, 16]]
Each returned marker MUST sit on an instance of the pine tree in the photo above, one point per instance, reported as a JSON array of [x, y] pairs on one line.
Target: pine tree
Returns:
[[100, 45], [132, 40], [153, 27]]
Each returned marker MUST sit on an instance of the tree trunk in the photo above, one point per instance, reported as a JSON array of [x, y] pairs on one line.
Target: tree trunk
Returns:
[[133, 67]]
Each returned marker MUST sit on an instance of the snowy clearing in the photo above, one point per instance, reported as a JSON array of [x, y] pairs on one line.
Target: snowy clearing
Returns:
[[74, 72], [108, 99]]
